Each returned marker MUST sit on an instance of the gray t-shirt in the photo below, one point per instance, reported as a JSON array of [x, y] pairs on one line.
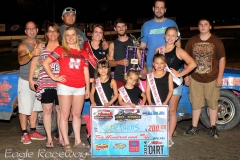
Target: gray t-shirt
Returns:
[[81, 36]]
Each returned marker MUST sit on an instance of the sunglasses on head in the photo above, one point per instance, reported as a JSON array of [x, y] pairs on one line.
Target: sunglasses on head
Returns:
[[70, 10]]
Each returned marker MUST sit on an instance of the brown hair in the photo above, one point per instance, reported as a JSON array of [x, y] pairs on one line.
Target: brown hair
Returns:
[[103, 64], [101, 27], [55, 26], [154, 2], [132, 71]]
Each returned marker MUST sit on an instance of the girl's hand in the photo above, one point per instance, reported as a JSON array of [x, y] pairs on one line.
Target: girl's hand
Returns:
[[93, 104], [176, 73], [106, 105], [164, 103], [133, 105], [187, 81], [59, 78], [87, 95]]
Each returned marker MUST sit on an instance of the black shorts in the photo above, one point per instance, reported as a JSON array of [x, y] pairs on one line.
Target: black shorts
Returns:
[[50, 96]]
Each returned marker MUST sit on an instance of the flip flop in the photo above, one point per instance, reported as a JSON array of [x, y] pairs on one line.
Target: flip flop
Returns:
[[49, 145]]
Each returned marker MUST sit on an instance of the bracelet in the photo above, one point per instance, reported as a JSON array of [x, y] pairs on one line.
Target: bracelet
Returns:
[[30, 55], [118, 62]]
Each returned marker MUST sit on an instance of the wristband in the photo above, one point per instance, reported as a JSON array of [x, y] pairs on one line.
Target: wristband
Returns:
[[30, 55], [118, 62]]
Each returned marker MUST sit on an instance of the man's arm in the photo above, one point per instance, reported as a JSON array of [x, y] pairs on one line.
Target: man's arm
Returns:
[[222, 63], [24, 55]]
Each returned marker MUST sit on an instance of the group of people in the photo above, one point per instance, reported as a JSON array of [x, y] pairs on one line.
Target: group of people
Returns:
[[69, 69]]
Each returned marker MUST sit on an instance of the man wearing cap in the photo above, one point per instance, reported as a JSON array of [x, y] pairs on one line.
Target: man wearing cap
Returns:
[[69, 19]]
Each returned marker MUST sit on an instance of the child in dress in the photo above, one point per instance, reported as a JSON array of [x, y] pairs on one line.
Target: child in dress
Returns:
[[130, 93], [104, 86], [159, 82]]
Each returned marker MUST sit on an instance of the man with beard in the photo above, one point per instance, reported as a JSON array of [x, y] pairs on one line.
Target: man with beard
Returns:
[[69, 18], [117, 52], [153, 31]]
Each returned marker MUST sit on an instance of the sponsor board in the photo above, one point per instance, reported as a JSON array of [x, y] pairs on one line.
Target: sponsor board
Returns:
[[119, 131]]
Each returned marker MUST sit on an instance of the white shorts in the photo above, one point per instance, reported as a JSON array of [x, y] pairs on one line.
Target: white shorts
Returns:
[[66, 90], [27, 102]]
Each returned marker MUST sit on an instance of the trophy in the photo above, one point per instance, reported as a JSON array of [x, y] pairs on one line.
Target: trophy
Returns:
[[134, 61]]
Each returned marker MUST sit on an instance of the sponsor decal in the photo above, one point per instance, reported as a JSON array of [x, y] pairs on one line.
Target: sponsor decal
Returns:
[[103, 115], [128, 114], [101, 147], [134, 146], [119, 146]]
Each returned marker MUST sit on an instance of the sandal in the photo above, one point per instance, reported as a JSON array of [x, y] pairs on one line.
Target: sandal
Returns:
[[81, 145], [67, 148], [49, 145], [60, 143]]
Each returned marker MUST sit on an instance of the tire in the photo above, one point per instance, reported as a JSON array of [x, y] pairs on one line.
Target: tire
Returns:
[[39, 125], [228, 112]]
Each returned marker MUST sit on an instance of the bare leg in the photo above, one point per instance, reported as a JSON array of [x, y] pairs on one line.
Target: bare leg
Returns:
[[173, 117], [77, 106], [60, 138], [23, 121], [195, 116], [47, 120], [33, 119], [65, 102], [213, 114]]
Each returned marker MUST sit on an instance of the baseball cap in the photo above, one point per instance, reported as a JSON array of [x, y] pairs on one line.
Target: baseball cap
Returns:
[[68, 9]]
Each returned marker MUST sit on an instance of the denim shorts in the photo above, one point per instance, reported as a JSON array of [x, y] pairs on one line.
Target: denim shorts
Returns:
[[178, 91]]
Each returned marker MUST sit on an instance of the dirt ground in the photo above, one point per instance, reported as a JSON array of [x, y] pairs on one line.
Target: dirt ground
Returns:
[[199, 147]]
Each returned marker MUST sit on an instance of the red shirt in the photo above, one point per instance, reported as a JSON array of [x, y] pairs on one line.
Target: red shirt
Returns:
[[71, 65]]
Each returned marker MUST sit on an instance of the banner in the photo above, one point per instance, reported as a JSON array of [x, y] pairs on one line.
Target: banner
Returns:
[[119, 131]]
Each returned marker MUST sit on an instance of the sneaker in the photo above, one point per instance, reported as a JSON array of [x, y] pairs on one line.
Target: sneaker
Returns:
[[36, 136], [191, 131], [25, 138], [213, 132], [175, 133], [170, 143]]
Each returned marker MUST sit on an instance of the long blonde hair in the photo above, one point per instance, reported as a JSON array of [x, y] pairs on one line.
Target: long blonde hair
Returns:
[[65, 45]]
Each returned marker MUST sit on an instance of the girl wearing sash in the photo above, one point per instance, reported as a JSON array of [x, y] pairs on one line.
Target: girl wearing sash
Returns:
[[130, 93], [175, 57], [95, 49], [159, 86], [73, 83], [104, 89], [103, 92]]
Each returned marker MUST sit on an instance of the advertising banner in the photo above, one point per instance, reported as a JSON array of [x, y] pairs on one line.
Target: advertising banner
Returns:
[[130, 132]]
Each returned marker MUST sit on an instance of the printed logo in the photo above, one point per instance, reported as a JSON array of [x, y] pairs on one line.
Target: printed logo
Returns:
[[103, 115], [101, 147], [126, 114], [119, 146], [134, 146]]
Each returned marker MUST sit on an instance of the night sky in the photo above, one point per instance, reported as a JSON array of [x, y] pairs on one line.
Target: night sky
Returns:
[[187, 12]]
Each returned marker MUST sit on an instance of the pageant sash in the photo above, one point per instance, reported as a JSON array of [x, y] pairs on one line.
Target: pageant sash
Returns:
[[153, 88], [124, 94], [100, 92], [177, 80], [91, 57]]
